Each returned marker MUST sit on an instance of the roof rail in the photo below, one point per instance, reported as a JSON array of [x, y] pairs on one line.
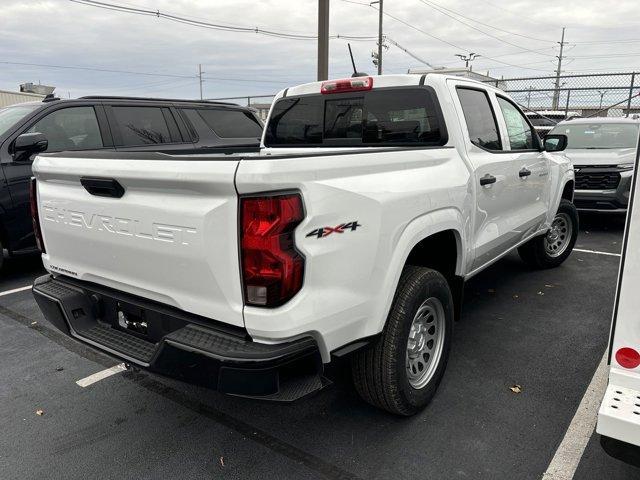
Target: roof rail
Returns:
[[150, 99], [49, 97]]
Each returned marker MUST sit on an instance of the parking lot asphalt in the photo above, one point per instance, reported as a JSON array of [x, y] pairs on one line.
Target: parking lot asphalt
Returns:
[[543, 330]]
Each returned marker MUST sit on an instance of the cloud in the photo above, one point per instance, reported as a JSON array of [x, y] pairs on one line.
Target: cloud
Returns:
[[59, 32]]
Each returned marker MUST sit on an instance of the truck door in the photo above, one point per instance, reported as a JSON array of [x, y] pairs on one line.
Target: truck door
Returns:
[[495, 174], [533, 185], [619, 414]]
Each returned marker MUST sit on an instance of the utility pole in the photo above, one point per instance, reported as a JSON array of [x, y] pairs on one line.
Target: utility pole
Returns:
[[556, 92], [377, 58], [380, 38], [200, 78], [323, 39]]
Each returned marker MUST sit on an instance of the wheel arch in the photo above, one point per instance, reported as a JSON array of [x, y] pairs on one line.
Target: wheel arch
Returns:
[[567, 191], [436, 229]]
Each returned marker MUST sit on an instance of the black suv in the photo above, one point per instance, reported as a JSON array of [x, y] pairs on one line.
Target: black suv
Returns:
[[106, 123]]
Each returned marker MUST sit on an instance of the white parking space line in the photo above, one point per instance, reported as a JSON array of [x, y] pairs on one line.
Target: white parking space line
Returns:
[[96, 377], [596, 252], [15, 290], [567, 457]]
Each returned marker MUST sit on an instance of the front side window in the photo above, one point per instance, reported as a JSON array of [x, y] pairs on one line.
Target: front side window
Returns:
[[518, 129], [9, 116], [481, 122], [384, 117], [141, 126], [73, 128], [599, 135]]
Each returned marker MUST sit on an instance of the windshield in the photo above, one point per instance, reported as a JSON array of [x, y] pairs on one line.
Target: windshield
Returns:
[[9, 116], [599, 135]]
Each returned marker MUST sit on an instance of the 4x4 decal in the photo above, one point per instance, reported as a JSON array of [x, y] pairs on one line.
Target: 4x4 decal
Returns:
[[326, 231]]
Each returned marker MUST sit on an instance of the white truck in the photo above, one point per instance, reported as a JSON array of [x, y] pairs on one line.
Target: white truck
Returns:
[[351, 232], [619, 414]]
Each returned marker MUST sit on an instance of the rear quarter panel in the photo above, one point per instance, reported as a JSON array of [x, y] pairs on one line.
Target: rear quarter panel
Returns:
[[397, 198]]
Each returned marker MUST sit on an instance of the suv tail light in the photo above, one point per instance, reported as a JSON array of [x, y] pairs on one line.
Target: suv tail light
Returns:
[[33, 201], [272, 268], [355, 84]]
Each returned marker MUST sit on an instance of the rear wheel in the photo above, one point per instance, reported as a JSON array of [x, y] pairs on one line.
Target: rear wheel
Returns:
[[553, 248], [401, 371]]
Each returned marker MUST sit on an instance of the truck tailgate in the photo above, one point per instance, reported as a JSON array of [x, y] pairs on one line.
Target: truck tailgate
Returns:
[[171, 237]]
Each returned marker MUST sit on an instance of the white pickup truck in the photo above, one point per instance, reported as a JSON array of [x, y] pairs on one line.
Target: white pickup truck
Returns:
[[351, 232]]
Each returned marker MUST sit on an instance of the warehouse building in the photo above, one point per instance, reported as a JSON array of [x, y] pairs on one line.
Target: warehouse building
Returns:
[[10, 98]]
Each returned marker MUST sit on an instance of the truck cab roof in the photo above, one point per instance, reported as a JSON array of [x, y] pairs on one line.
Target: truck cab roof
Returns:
[[382, 81]]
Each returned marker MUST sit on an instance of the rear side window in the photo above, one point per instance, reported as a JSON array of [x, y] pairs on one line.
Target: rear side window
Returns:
[[231, 123], [481, 122], [385, 117], [73, 128], [142, 126]]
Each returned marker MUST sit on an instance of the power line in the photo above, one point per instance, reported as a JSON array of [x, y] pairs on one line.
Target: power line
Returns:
[[486, 24], [458, 47], [150, 74], [210, 25], [443, 12], [412, 55]]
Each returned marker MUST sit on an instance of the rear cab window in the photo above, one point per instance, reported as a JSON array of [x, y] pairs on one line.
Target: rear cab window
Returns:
[[407, 116]]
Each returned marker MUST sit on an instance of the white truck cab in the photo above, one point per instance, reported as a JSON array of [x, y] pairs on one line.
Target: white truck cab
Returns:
[[619, 414], [351, 233]]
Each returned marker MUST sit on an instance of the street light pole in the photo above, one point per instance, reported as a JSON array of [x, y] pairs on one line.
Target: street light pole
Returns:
[[467, 59]]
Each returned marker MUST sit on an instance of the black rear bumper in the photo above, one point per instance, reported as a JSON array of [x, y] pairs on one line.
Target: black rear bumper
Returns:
[[177, 344]]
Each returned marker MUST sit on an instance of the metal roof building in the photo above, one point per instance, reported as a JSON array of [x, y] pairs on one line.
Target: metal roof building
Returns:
[[9, 98]]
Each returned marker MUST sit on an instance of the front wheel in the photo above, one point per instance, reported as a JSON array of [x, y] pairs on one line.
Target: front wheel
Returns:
[[553, 248], [401, 371]]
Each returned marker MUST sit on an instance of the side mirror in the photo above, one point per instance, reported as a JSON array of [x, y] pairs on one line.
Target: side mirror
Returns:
[[28, 144], [555, 143]]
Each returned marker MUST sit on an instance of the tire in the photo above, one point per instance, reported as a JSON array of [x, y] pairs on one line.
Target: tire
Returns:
[[380, 372], [539, 251]]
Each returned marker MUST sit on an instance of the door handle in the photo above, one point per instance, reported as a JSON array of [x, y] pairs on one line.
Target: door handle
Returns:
[[102, 187], [487, 180], [525, 172]]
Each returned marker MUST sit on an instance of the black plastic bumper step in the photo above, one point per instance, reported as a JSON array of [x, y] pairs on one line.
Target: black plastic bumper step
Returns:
[[121, 342]]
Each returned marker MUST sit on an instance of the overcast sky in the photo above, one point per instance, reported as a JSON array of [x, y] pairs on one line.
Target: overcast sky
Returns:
[[517, 32]]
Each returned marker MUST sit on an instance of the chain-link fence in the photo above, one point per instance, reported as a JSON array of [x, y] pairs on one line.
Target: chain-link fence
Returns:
[[261, 103], [599, 94]]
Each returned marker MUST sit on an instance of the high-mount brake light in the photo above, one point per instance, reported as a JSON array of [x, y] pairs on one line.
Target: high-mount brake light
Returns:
[[355, 84], [272, 268], [33, 203], [628, 357]]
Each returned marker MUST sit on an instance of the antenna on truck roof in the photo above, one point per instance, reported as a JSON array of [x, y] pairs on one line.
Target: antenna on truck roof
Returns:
[[356, 73]]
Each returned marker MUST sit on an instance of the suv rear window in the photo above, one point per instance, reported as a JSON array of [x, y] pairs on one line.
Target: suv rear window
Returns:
[[231, 123], [384, 117]]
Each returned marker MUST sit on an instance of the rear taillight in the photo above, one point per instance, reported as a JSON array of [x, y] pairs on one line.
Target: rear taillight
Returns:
[[628, 357], [355, 84], [272, 268], [33, 200]]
